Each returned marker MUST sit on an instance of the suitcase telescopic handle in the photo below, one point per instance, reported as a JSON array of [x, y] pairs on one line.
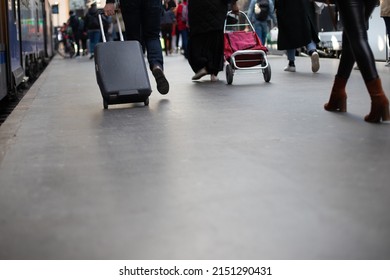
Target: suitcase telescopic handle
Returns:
[[102, 29]]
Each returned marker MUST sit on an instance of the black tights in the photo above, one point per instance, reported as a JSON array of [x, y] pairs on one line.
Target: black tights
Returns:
[[354, 15]]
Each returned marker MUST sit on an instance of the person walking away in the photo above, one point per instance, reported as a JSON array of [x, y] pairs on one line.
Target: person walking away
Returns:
[[354, 15], [93, 28], [168, 18], [83, 36], [142, 21], [385, 14], [177, 33], [259, 13], [182, 25], [205, 46], [73, 23], [297, 28]]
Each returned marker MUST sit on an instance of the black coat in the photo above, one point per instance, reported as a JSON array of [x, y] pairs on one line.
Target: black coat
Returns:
[[296, 23], [206, 15], [91, 21]]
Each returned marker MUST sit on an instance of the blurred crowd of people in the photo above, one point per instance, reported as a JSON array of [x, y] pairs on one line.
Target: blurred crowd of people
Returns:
[[195, 29]]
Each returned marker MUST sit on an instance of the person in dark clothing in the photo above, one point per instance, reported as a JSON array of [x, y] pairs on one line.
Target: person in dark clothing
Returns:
[[83, 36], [73, 22], [182, 25], [205, 45], [168, 18], [297, 28], [91, 25], [142, 21], [354, 15]]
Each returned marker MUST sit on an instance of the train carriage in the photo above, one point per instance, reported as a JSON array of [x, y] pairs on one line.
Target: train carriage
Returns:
[[26, 42]]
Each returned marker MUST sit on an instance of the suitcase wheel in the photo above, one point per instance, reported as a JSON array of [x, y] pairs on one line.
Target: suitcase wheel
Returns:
[[146, 102], [229, 74], [105, 104]]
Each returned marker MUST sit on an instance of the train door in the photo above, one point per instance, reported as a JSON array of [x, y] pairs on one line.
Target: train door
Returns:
[[28, 35], [48, 29], [14, 42], [40, 42], [10, 49], [3, 69]]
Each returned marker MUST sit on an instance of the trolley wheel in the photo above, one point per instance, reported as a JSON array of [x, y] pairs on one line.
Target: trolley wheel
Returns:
[[267, 73], [146, 102], [71, 49], [105, 104], [229, 74]]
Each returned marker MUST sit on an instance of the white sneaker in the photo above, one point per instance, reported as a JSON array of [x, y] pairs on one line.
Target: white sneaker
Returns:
[[289, 68], [315, 62]]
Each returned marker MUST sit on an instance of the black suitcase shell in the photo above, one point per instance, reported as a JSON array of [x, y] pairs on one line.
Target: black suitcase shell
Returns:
[[121, 73]]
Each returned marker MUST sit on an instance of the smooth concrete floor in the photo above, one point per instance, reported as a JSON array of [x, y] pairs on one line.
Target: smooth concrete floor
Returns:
[[250, 171]]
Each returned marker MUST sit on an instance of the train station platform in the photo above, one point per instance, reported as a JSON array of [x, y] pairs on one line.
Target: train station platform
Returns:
[[254, 170]]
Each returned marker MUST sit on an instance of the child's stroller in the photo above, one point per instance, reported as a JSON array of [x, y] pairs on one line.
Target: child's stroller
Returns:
[[243, 49]]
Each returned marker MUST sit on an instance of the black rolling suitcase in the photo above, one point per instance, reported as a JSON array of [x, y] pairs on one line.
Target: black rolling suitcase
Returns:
[[121, 71]]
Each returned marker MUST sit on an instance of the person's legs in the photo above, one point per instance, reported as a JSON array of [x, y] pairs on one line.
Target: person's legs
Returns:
[[142, 22], [131, 14], [354, 14], [315, 58], [84, 43], [215, 46], [184, 42], [261, 29], [205, 54], [196, 58], [258, 29], [177, 32], [164, 34], [77, 42], [94, 38], [150, 22], [169, 38], [291, 61], [264, 32], [311, 47], [338, 97]]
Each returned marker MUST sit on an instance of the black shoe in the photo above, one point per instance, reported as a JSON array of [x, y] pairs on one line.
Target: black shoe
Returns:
[[162, 82], [91, 57]]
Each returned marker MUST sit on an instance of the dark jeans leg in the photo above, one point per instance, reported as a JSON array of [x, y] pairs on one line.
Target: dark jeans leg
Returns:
[[142, 21], [151, 32], [184, 41]]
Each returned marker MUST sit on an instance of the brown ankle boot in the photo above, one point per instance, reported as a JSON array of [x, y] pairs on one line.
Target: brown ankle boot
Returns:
[[379, 102], [338, 97]]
